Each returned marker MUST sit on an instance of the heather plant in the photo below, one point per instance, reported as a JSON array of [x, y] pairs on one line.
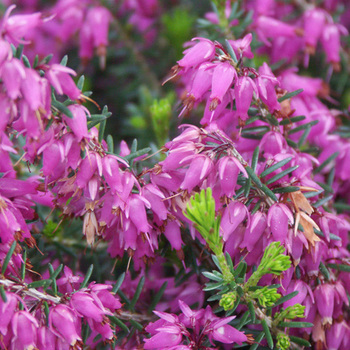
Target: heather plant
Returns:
[[227, 230]]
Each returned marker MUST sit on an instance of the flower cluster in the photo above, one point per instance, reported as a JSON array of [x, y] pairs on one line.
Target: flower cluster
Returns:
[[34, 319], [197, 327]]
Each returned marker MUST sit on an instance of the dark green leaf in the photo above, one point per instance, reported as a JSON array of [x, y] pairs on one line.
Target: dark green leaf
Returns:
[[296, 324], [256, 129], [46, 59], [26, 61], [212, 286], [230, 51], [23, 265], [253, 176], [290, 94], [324, 270], [136, 324], [124, 298], [87, 276], [281, 174], [118, 283], [36, 61], [302, 127], [272, 120], [229, 263], [80, 83], [243, 321], [267, 334], [119, 323], [19, 51], [110, 143], [241, 269], [137, 292], [341, 206], [252, 311], [64, 60], [130, 157], [292, 120], [247, 186], [252, 136], [322, 201], [286, 298], [101, 130], [299, 341], [8, 257], [255, 158], [39, 284], [340, 267], [157, 297], [291, 143], [211, 276], [268, 192], [97, 120], [62, 108], [276, 166], [258, 339], [286, 189], [304, 136], [3, 294], [54, 284], [326, 162]]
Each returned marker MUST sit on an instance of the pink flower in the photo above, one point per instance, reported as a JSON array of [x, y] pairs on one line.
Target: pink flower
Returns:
[[24, 328], [314, 22], [7, 311], [88, 305], [16, 27], [278, 218], [324, 296], [234, 214], [200, 167], [242, 46], [228, 168], [64, 324], [200, 52], [60, 78], [78, 123], [244, 89], [223, 76]]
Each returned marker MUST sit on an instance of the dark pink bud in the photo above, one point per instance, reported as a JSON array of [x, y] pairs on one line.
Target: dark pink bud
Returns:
[[278, 218], [64, 324], [60, 78], [272, 143], [88, 305], [314, 22], [331, 43], [228, 168], [6, 311], [223, 76], [335, 335], [244, 89], [13, 74], [18, 26], [24, 327], [78, 123], [254, 231], [199, 168], [242, 46], [46, 339], [173, 234], [324, 296], [201, 52], [268, 27], [234, 214]]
